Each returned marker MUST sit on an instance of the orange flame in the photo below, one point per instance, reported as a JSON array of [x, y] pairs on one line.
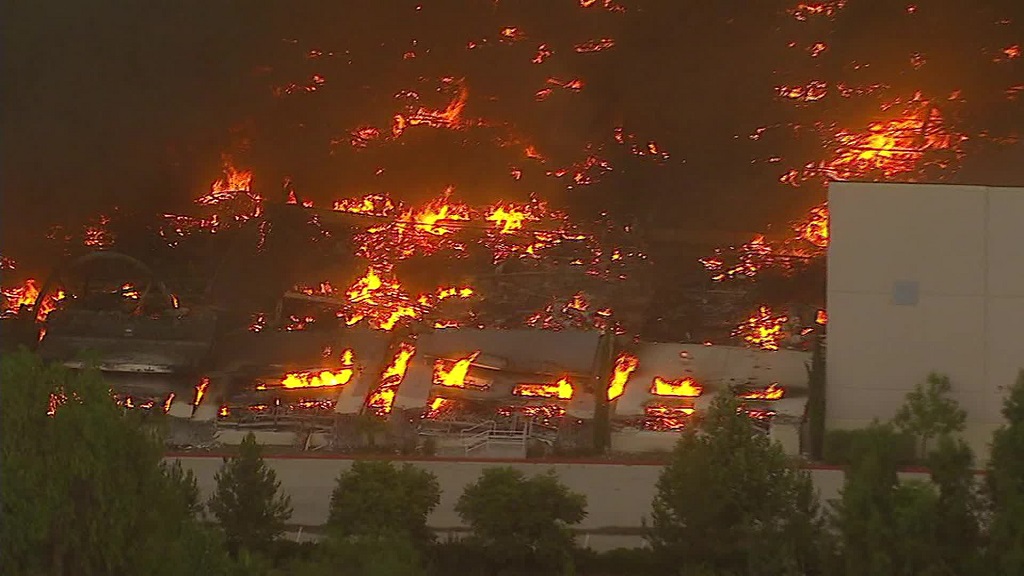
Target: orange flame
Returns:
[[204, 383], [167, 402], [772, 392], [821, 317], [321, 379], [436, 406], [685, 387], [26, 295], [507, 218], [625, 364], [384, 397], [561, 389], [453, 372], [234, 180]]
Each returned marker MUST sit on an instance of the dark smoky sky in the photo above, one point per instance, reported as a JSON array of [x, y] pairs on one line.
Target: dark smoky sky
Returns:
[[130, 105]]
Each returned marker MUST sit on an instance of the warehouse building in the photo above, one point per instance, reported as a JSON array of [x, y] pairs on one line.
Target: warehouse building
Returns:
[[923, 278]]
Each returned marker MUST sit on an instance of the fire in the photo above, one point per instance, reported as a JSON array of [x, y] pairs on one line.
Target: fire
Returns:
[[561, 389], [380, 299], [450, 117], [821, 317], [436, 406], [814, 227], [431, 217], [684, 387], [453, 372], [27, 295], [508, 218], [167, 402], [234, 180], [201, 387], [625, 364], [321, 379], [381, 400], [374, 204], [763, 329], [772, 392]]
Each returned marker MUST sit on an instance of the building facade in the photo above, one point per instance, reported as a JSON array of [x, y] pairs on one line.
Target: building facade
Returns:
[[924, 278]]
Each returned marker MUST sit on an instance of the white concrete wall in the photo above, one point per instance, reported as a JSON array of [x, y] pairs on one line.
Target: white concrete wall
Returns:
[[618, 495], [963, 247]]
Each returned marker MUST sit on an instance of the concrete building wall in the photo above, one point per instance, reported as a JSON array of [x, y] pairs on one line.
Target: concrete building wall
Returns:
[[618, 495], [924, 278]]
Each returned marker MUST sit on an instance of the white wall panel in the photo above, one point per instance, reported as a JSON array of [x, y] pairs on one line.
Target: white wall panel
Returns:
[[963, 246]]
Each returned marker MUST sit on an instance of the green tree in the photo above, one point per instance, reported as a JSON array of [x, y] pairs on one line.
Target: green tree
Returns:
[[730, 500], [376, 498], [83, 488], [522, 523], [888, 527], [928, 411], [367, 555], [248, 502], [958, 532], [1005, 487], [816, 401]]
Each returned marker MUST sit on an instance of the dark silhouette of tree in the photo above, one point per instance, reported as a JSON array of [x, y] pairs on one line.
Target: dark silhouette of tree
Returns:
[[522, 523], [84, 491], [929, 412], [248, 502], [376, 498], [1005, 484], [730, 500], [957, 525]]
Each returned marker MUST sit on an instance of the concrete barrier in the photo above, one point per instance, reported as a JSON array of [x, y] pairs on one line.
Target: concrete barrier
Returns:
[[619, 495]]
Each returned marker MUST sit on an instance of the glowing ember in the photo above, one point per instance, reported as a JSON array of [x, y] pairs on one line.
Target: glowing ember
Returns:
[[57, 399], [454, 372], [167, 402], [561, 389], [666, 418], [383, 398], [449, 117], [763, 329], [821, 317], [684, 387], [97, 235], [811, 92], [625, 364], [594, 45], [772, 392], [805, 10]]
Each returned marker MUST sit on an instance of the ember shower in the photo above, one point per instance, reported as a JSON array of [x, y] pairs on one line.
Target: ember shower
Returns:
[[586, 142]]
